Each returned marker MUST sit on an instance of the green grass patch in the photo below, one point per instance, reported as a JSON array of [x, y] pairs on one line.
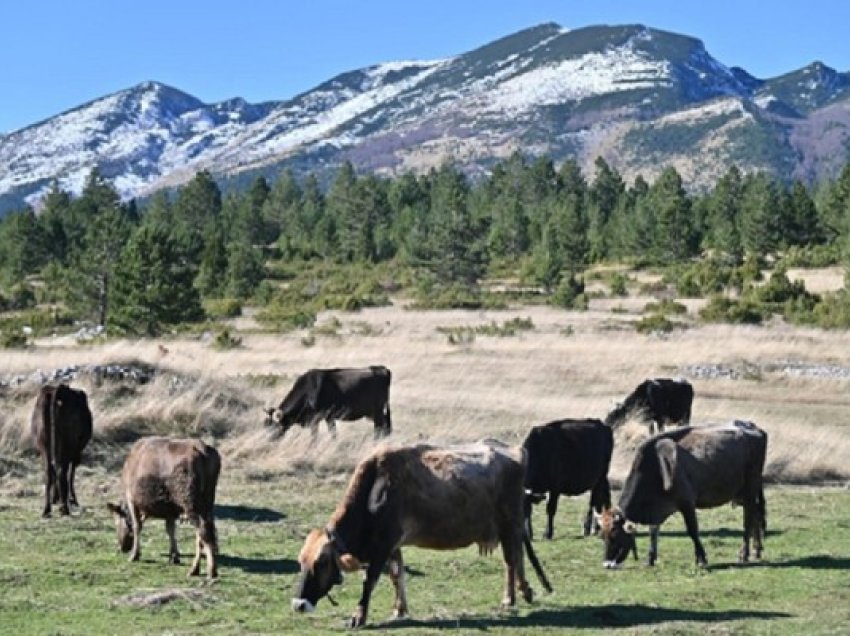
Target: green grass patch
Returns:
[[64, 575]]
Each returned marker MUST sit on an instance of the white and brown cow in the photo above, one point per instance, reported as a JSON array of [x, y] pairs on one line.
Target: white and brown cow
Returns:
[[425, 496], [167, 478], [684, 470]]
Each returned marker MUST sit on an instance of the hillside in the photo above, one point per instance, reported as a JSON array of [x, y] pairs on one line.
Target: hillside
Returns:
[[641, 98]]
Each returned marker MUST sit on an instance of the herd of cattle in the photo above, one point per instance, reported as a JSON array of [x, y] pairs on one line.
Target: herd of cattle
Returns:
[[434, 497]]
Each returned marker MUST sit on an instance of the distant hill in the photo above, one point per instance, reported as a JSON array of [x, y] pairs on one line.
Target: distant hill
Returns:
[[641, 98]]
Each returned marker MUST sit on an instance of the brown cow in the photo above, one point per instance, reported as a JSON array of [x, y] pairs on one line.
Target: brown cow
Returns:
[[166, 478], [61, 427], [437, 498]]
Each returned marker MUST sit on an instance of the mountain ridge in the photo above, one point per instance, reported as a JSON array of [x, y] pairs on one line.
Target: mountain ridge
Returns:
[[641, 98]]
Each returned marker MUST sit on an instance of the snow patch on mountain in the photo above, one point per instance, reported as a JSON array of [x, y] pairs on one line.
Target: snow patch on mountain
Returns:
[[575, 79]]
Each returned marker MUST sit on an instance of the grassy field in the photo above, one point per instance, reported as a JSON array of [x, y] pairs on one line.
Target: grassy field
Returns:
[[65, 575]]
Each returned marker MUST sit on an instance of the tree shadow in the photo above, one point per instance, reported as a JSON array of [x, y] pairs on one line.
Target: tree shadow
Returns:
[[247, 513], [816, 562], [259, 565], [586, 617]]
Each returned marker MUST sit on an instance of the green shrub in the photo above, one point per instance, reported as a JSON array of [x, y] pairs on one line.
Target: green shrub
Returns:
[[225, 341], [812, 255], [655, 323], [665, 307], [12, 340], [21, 296], [570, 294], [223, 307], [619, 282], [456, 297], [723, 309], [832, 311]]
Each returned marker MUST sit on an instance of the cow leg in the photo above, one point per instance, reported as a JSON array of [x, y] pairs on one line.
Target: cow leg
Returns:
[[63, 489], [136, 525], [372, 574], [551, 509], [760, 525], [527, 509], [210, 545], [72, 499], [692, 527], [511, 541], [173, 551], [49, 480], [600, 500], [397, 577], [195, 568], [653, 545]]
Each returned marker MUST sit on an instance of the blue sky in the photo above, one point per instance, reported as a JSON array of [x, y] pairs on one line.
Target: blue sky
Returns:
[[57, 54]]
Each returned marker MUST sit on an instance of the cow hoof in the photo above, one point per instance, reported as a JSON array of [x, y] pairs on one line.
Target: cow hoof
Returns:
[[174, 559], [64, 511], [194, 572], [358, 619], [133, 557], [45, 514]]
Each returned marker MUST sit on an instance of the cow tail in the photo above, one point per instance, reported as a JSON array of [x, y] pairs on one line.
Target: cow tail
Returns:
[[538, 569], [51, 415]]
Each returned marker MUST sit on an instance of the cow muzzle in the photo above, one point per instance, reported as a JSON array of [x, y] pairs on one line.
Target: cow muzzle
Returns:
[[302, 605], [611, 565]]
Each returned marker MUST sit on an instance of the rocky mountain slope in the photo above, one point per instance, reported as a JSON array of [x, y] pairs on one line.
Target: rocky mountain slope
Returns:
[[641, 98]]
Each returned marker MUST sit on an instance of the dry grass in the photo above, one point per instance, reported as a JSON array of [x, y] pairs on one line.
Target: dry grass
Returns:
[[493, 387]]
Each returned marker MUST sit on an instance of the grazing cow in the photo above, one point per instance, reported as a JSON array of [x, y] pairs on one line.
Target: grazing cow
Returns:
[[568, 457], [61, 427], [166, 478], [659, 401], [336, 394], [429, 497], [685, 469]]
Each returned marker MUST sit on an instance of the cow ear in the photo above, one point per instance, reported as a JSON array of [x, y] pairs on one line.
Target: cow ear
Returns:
[[348, 562], [667, 452], [115, 509]]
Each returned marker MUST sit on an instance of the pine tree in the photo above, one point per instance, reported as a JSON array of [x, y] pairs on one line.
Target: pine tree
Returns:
[[456, 252], [244, 269], [605, 193], [153, 284], [212, 272], [281, 205], [724, 211], [673, 235], [759, 215]]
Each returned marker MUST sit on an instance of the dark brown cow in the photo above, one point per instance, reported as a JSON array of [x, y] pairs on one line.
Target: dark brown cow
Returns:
[[568, 457], [336, 394], [659, 401], [166, 478], [61, 427], [686, 469], [429, 497]]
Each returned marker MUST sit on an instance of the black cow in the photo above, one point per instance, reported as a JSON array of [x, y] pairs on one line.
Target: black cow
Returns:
[[61, 427], [659, 401], [336, 394], [568, 457], [686, 469]]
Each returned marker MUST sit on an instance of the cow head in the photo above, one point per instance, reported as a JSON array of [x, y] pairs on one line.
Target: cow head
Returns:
[[123, 528], [618, 536], [323, 560]]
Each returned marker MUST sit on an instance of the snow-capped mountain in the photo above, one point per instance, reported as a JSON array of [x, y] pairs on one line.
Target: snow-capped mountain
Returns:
[[639, 97]]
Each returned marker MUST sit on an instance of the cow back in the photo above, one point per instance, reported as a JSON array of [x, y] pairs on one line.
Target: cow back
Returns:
[[567, 456], [61, 423], [166, 477]]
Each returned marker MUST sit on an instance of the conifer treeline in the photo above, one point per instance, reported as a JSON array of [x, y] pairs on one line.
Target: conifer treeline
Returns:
[[138, 269]]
